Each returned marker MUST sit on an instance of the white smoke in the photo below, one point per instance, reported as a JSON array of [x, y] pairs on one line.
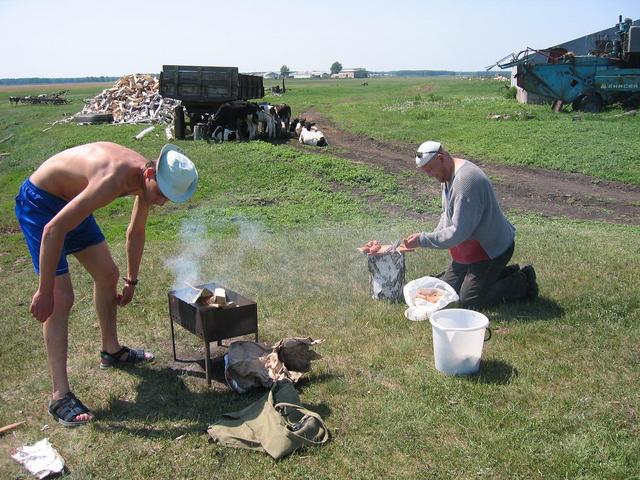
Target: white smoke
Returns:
[[199, 257], [195, 246], [251, 237]]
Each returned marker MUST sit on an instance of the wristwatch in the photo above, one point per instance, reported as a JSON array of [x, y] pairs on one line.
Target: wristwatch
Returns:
[[128, 281]]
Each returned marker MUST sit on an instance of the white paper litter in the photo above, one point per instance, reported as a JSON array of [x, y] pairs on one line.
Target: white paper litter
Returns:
[[41, 459]]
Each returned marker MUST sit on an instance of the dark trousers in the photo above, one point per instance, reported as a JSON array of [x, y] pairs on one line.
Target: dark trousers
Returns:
[[487, 283]]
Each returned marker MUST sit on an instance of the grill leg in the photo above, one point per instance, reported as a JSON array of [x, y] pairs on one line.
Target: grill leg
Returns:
[[207, 359], [173, 341]]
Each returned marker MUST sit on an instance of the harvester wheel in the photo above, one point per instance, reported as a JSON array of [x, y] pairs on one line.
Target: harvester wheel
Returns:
[[589, 102]]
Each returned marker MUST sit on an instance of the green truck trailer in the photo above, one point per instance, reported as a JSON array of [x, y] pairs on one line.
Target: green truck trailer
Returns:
[[202, 90]]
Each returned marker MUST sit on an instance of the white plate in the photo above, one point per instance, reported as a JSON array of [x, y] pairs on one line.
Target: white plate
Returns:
[[416, 314]]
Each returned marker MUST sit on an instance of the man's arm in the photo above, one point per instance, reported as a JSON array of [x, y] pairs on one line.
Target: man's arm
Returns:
[[467, 213], [135, 247], [413, 240]]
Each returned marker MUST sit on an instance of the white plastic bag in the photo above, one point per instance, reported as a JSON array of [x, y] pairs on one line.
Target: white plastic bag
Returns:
[[387, 276], [419, 309]]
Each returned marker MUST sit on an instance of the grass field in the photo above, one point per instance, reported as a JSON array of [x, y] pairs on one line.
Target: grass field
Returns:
[[557, 395], [456, 112]]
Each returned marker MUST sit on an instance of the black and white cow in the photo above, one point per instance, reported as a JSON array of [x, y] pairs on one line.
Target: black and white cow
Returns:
[[296, 126], [266, 117], [222, 134], [310, 135], [235, 115], [284, 112]]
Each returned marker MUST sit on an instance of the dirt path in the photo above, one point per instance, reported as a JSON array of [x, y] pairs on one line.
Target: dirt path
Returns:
[[546, 192]]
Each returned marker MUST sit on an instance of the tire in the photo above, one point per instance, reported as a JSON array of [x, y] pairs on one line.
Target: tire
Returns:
[[575, 105], [93, 118], [178, 122], [590, 102]]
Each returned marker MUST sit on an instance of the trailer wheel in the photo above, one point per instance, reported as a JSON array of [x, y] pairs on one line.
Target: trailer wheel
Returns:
[[589, 102], [178, 122]]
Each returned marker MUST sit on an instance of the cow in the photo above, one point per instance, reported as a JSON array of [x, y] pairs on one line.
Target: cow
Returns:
[[234, 115], [300, 124], [221, 134], [297, 124], [15, 100], [266, 118], [284, 112], [293, 125], [311, 136], [278, 121]]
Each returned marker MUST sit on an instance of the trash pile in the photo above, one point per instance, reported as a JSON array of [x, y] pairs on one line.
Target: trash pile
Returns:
[[250, 364], [134, 98]]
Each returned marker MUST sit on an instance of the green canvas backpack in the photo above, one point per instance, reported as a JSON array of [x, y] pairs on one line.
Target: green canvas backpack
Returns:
[[276, 424]]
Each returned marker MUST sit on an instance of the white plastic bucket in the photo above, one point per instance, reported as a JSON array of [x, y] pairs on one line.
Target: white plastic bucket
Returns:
[[458, 336]]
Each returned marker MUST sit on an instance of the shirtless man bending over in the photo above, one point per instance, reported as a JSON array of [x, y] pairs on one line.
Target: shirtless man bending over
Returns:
[[54, 208]]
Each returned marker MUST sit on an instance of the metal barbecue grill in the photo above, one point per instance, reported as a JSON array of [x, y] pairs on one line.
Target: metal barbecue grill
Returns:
[[211, 323]]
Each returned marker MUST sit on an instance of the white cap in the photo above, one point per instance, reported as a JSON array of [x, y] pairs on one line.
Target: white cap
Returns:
[[176, 175], [426, 152]]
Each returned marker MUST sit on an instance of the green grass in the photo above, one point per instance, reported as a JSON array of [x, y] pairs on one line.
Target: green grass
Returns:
[[456, 111], [556, 396]]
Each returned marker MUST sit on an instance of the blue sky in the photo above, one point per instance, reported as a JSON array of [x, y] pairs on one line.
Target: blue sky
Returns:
[[70, 38]]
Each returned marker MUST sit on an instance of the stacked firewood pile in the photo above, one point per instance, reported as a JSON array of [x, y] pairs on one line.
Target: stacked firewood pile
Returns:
[[134, 98]]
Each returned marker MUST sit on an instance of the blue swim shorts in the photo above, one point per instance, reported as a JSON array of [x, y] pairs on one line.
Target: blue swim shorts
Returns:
[[35, 208]]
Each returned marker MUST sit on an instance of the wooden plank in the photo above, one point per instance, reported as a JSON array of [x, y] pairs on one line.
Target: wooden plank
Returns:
[[9, 427]]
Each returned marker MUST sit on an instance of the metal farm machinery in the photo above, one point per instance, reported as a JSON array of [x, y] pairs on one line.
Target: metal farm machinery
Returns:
[[608, 74]]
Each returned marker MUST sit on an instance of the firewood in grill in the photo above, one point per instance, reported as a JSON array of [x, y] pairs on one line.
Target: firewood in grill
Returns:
[[200, 295], [204, 296], [220, 296]]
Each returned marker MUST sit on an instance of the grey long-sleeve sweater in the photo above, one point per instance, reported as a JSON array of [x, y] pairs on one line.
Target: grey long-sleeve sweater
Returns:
[[470, 211]]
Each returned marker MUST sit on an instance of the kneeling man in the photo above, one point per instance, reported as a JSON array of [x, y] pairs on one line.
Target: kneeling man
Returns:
[[472, 226]]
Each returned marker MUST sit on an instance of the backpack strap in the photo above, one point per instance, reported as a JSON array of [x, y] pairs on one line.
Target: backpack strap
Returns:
[[294, 427]]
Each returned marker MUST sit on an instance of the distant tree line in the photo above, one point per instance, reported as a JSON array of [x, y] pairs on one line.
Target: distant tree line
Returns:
[[44, 80], [284, 71], [435, 73]]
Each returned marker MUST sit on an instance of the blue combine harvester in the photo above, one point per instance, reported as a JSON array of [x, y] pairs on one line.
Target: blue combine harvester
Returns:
[[608, 74]]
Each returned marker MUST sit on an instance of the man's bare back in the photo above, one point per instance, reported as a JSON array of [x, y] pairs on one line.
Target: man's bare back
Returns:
[[89, 177], [68, 173]]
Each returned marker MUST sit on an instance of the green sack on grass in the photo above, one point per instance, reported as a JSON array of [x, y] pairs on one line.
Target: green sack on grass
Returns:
[[276, 424]]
